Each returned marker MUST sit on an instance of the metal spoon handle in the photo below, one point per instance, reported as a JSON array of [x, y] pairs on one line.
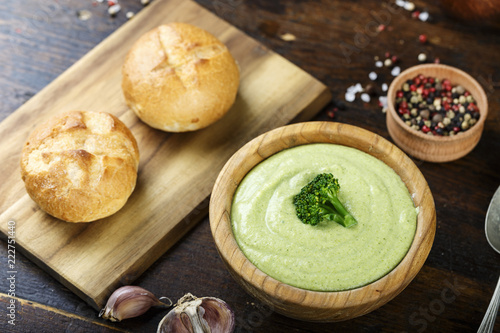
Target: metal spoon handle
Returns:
[[491, 313]]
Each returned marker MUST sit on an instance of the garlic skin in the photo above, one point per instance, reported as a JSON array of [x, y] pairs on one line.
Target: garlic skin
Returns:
[[130, 301], [198, 315]]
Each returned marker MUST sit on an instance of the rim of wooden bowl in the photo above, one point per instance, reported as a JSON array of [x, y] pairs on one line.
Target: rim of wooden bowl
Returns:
[[469, 138], [317, 305]]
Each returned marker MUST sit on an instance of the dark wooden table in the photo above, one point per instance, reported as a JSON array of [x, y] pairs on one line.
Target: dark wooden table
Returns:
[[336, 41]]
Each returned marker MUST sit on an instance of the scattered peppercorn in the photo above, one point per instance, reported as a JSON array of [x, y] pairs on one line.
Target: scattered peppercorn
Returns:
[[435, 107], [422, 39]]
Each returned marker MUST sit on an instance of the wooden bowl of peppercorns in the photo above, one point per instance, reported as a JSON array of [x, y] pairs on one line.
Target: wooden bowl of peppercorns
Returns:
[[435, 112]]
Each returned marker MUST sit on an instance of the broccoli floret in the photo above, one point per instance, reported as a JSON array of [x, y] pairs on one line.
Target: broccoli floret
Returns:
[[317, 201]]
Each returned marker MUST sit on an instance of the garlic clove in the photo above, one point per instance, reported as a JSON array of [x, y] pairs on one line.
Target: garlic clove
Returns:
[[198, 315], [130, 301]]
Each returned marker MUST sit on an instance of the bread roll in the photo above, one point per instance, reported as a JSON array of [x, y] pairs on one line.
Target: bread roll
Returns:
[[178, 78], [80, 166]]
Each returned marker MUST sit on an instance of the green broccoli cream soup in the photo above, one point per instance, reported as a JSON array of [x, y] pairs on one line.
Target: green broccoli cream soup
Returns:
[[326, 256]]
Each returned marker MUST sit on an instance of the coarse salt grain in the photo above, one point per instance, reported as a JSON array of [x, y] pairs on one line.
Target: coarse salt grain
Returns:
[[288, 37], [385, 87], [113, 10], [409, 6], [424, 16], [372, 76], [400, 3], [355, 89], [379, 64], [365, 97], [383, 101], [350, 97]]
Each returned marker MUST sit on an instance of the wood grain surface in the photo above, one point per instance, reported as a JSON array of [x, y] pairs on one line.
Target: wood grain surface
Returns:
[[40, 39], [176, 171], [304, 304]]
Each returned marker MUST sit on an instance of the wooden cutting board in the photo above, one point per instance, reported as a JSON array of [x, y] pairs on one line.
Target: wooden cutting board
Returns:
[[176, 172]]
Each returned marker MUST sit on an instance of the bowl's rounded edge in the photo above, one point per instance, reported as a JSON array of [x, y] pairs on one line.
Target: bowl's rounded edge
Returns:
[[429, 147], [312, 305]]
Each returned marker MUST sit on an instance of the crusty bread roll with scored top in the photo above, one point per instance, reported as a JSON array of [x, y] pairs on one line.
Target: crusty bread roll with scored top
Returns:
[[178, 77], [80, 166]]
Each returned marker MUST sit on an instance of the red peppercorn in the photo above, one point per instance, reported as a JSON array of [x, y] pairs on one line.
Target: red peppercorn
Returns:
[[387, 55], [431, 81], [437, 61], [111, 3], [399, 94], [404, 104], [331, 114], [456, 129], [413, 87], [394, 59], [425, 129], [421, 77], [422, 39], [415, 14], [466, 93]]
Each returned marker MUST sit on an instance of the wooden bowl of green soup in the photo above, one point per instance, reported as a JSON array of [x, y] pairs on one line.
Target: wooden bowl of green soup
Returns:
[[326, 271]]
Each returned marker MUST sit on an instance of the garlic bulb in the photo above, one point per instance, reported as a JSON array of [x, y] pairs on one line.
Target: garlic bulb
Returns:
[[130, 301], [198, 315]]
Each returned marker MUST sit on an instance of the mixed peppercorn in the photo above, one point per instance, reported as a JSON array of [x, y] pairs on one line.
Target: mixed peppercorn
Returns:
[[433, 106]]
